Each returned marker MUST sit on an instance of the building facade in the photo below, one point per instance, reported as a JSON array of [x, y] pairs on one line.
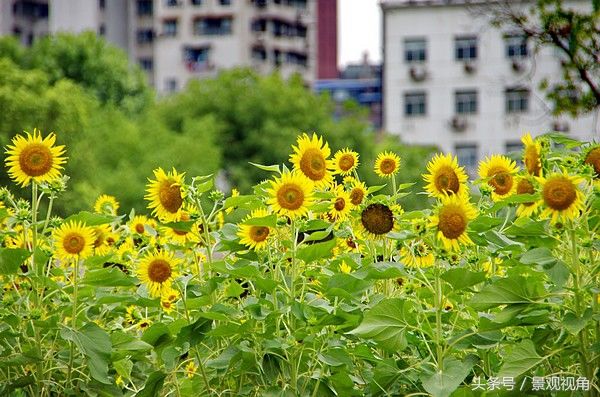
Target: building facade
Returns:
[[450, 79]]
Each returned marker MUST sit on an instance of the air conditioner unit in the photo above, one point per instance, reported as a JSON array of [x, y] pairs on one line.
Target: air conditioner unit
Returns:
[[458, 124], [418, 73], [517, 66], [470, 67], [560, 126]]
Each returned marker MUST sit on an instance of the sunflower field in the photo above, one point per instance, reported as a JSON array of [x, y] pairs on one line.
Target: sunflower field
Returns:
[[315, 284]]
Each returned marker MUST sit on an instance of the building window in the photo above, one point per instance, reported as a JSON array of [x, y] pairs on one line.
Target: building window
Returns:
[[513, 147], [196, 58], [465, 102], [213, 26], [415, 104], [171, 3], [259, 25], [170, 27], [517, 100], [171, 85], [196, 2], [145, 36], [101, 4], [516, 46], [465, 48], [297, 58], [225, 2], [144, 7], [146, 63], [259, 53], [277, 58], [415, 50], [102, 30], [467, 156]]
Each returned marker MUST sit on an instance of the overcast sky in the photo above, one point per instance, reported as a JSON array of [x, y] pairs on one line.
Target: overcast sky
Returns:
[[359, 30]]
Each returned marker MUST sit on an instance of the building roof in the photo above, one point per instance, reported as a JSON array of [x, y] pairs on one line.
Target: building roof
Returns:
[[391, 4]]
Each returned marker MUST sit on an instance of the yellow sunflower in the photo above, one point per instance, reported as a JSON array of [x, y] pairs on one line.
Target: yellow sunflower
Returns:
[[310, 157], [181, 235], [560, 196], [103, 236], [451, 219], [32, 157], [499, 172], [525, 186], [341, 204], [157, 271], [417, 254], [532, 155], [138, 224], [377, 220], [291, 194], [345, 161], [166, 195], [358, 192], [255, 237], [387, 164], [73, 240], [445, 177], [107, 205], [592, 157]]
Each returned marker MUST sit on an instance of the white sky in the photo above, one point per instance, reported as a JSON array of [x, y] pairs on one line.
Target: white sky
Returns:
[[359, 30]]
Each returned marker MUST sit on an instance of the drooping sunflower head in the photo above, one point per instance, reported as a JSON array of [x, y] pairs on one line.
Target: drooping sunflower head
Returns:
[[291, 194], [310, 157], [377, 219], [166, 195], [255, 236], [592, 157], [106, 204], [102, 238], [451, 219], [445, 177], [499, 172], [32, 158], [157, 271], [561, 197], [532, 155], [73, 240], [417, 254], [387, 164], [345, 161], [526, 185], [341, 204], [358, 192]]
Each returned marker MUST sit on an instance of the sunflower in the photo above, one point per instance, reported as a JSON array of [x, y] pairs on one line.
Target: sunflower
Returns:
[[592, 157], [166, 195], [377, 220], [451, 219], [358, 192], [103, 237], [345, 161], [387, 164], [157, 271], [341, 204], [106, 204], [499, 172], [73, 240], [32, 157], [560, 196], [417, 254], [532, 155], [253, 236], [138, 224], [291, 194], [310, 157], [525, 186], [445, 176], [184, 235]]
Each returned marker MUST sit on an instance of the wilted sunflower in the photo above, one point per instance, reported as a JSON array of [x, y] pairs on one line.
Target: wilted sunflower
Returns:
[[341, 204], [345, 161], [499, 172], [254, 236], [310, 157], [561, 198], [525, 186], [106, 204], [445, 176], [73, 240], [376, 220], [32, 157], [592, 157], [532, 155], [417, 254], [358, 192], [291, 194], [157, 271], [166, 195], [387, 164], [451, 219]]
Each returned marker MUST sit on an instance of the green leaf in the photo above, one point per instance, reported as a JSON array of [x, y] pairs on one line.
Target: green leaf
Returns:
[[443, 383], [182, 226], [153, 385], [316, 251], [521, 359], [194, 333], [11, 259], [462, 278], [385, 324], [233, 290], [123, 341], [95, 344], [90, 219], [270, 168], [107, 277], [508, 291], [538, 256], [575, 324], [156, 334], [268, 221]]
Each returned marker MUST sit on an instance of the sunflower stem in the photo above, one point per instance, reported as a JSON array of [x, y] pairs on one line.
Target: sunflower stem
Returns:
[[47, 220], [438, 318]]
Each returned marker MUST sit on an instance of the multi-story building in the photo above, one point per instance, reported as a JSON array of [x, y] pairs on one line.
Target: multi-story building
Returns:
[[451, 79], [178, 40]]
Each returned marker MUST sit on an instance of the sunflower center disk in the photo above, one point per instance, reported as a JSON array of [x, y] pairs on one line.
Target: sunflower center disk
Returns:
[[501, 181], [159, 271], [593, 159], [259, 233], [559, 193], [447, 181], [452, 222], [377, 219], [74, 243], [346, 162], [339, 204], [139, 228], [525, 187], [290, 197], [387, 166], [356, 196], [35, 160], [170, 196], [531, 161], [312, 164]]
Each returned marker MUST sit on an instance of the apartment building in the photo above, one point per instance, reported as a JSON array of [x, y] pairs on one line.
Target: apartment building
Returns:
[[450, 79]]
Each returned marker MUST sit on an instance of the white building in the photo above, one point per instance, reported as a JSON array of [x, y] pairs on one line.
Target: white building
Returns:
[[452, 80]]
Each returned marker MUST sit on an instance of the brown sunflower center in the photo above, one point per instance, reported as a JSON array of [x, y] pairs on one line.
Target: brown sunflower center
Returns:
[[501, 181], [290, 196], [532, 160], [377, 219], [339, 204], [139, 228], [313, 165], [446, 180], [346, 162], [259, 233], [73, 243], [356, 196], [452, 221], [387, 166], [170, 196], [525, 187], [100, 238], [559, 193], [593, 159], [35, 159], [159, 271]]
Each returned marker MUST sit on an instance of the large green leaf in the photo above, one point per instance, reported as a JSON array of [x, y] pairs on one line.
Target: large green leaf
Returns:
[[90, 219], [313, 252], [506, 291], [95, 344], [521, 358], [443, 383], [11, 259], [107, 277], [538, 256], [153, 385], [462, 278]]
